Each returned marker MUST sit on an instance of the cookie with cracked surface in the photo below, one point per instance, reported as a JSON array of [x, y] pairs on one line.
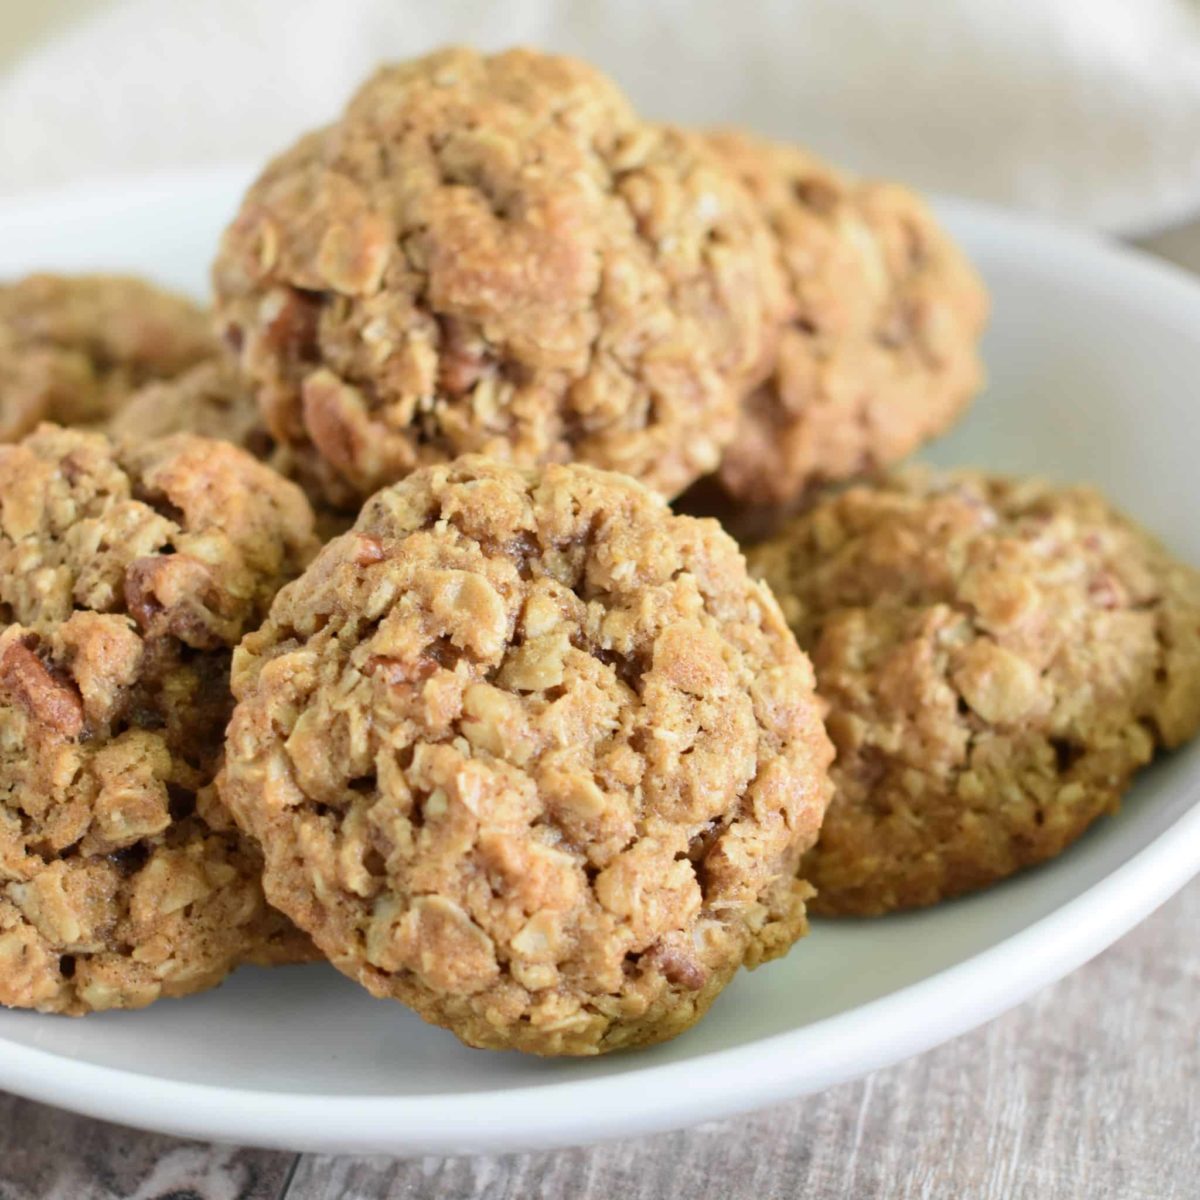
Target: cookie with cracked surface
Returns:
[[127, 574], [999, 657], [493, 254], [213, 400], [74, 347], [532, 754], [882, 351]]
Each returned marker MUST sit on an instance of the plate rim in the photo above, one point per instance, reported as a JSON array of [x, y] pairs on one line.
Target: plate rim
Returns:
[[716, 1084], [500, 1121]]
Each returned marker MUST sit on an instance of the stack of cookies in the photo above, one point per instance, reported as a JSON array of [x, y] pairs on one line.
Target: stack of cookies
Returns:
[[353, 620]]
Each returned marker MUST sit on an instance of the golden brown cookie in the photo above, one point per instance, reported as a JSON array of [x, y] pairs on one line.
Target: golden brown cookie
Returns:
[[494, 254], [533, 755], [73, 347], [126, 576], [999, 657], [214, 401], [882, 351], [210, 400]]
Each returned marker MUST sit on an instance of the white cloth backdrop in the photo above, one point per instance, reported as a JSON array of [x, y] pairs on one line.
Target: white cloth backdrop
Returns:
[[1088, 110]]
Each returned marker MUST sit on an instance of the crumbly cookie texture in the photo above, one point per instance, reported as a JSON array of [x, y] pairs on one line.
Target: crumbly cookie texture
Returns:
[[73, 347], [533, 755], [999, 656], [127, 574], [882, 351], [493, 254], [213, 400]]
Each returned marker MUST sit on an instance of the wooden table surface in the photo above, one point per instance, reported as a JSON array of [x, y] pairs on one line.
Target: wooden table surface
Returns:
[[1090, 1091]]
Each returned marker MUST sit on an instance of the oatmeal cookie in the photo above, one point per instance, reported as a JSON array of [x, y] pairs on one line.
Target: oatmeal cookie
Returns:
[[882, 351], [214, 401], [127, 574], [211, 400], [73, 347], [495, 255], [999, 657], [533, 755]]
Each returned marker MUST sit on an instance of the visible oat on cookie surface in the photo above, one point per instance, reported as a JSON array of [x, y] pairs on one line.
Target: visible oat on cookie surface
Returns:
[[533, 755], [882, 352], [127, 574], [213, 400], [493, 254], [999, 657], [74, 347]]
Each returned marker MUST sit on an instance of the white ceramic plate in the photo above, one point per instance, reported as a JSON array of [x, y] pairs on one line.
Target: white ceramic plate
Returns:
[[1094, 356]]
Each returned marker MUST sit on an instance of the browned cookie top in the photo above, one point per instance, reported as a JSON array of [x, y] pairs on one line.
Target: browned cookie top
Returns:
[[882, 351], [533, 755], [73, 347], [126, 576], [493, 254], [999, 657]]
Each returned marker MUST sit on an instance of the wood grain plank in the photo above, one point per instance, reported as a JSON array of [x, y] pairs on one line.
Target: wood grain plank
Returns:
[[46, 1154], [1092, 1090]]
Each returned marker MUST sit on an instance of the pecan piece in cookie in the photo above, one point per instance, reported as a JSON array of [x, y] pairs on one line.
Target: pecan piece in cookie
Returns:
[[533, 755], [73, 348], [127, 574], [999, 657], [494, 254]]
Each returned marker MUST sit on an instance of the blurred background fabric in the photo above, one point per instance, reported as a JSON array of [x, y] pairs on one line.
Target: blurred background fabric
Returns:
[[1084, 110]]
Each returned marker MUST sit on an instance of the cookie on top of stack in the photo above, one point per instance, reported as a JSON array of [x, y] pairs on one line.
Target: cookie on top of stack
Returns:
[[495, 254]]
